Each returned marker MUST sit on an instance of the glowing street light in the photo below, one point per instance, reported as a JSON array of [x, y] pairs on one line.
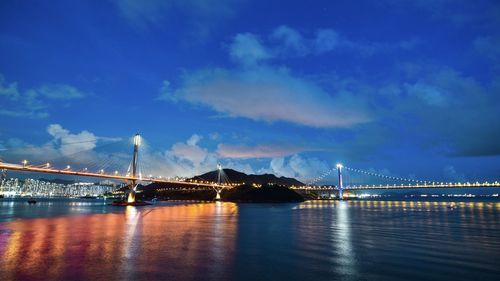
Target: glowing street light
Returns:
[[25, 163]]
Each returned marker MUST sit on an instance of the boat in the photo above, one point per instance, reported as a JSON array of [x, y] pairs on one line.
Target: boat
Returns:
[[32, 201]]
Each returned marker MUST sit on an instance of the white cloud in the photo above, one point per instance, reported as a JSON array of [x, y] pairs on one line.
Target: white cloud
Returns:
[[326, 40], [60, 92], [190, 151], [457, 112], [259, 151], [71, 143], [427, 93], [290, 41], [286, 42], [33, 102], [246, 48], [296, 166], [268, 94], [65, 148]]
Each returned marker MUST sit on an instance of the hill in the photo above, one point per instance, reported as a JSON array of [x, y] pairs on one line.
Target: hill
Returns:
[[264, 194], [239, 177]]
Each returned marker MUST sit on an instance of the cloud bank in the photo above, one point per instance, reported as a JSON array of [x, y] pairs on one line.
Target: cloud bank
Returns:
[[269, 94], [259, 151]]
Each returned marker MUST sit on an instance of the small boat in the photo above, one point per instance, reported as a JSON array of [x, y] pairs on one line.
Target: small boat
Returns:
[[32, 201]]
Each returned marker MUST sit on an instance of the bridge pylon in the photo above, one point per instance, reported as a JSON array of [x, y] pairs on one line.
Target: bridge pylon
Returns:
[[135, 159], [339, 170], [218, 188]]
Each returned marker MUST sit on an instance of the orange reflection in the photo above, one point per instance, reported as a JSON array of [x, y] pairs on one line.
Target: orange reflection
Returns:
[[115, 246]]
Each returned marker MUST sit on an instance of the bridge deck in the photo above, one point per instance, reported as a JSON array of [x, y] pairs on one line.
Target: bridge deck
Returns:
[[97, 175]]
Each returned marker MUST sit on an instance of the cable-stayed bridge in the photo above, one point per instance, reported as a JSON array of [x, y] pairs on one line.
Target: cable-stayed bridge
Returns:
[[132, 176], [345, 176]]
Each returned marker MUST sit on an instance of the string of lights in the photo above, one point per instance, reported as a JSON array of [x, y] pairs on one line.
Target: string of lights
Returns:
[[384, 176]]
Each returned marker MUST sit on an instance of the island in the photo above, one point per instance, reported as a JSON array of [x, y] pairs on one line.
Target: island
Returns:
[[266, 188]]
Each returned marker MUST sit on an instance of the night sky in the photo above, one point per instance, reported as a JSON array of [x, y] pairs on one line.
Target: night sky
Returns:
[[407, 88]]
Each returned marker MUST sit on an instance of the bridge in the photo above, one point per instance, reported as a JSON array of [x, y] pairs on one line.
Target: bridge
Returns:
[[133, 176], [404, 183]]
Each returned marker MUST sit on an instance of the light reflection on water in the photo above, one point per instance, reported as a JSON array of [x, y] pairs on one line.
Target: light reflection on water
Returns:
[[314, 240]]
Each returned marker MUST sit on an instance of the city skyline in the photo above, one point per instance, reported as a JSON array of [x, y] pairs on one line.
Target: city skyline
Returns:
[[403, 88]]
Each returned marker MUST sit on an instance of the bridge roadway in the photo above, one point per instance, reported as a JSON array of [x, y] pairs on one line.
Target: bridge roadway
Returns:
[[102, 175], [401, 186]]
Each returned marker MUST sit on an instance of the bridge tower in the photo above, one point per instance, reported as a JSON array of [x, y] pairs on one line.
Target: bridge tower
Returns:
[[135, 159], [218, 189], [339, 170]]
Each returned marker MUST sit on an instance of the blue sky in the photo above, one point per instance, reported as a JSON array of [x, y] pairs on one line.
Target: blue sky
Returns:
[[406, 88]]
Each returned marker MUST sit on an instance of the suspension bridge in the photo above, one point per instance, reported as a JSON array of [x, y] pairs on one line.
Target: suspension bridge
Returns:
[[133, 175]]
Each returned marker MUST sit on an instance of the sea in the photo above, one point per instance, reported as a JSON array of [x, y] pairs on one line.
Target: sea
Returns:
[[87, 239]]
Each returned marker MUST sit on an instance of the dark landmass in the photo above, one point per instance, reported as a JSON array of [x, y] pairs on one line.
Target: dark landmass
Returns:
[[154, 190], [271, 189], [267, 193], [242, 193], [239, 177]]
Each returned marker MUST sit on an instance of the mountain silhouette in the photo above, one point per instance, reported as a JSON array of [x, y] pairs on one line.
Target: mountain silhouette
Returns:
[[239, 177]]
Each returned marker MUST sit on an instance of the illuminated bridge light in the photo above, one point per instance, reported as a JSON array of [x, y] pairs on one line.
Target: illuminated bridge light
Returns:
[[137, 140]]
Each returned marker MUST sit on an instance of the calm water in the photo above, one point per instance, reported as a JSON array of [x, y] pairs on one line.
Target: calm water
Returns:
[[315, 240]]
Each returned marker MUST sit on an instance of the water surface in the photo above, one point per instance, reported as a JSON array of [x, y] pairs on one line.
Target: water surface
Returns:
[[314, 240]]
